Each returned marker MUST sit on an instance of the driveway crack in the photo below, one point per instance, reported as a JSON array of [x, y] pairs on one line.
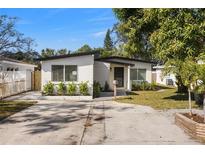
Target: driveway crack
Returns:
[[87, 122]]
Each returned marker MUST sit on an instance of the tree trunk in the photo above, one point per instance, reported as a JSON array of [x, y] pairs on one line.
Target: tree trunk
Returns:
[[190, 107], [181, 88], [204, 107]]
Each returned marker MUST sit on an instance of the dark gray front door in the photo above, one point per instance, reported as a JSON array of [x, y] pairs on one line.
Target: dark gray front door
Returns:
[[119, 76]]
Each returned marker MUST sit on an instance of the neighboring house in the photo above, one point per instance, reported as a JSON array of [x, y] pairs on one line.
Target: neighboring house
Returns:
[[8, 64], [89, 67], [169, 79], [15, 76]]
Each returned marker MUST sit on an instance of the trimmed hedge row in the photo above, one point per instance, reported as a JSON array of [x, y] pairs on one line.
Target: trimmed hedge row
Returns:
[[69, 89], [143, 85]]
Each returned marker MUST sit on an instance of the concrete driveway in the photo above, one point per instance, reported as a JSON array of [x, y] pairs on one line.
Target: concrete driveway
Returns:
[[98, 122], [47, 122]]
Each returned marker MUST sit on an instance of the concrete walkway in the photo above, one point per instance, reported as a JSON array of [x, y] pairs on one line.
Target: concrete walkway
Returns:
[[98, 122]]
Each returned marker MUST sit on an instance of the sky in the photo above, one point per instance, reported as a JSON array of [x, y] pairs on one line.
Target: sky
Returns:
[[63, 28]]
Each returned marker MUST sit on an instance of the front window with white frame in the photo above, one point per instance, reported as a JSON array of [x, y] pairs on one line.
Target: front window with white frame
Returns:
[[138, 74], [70, 72], [64, 73]]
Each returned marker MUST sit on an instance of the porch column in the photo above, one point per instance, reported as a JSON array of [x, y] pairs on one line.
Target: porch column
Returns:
[[128, 79]]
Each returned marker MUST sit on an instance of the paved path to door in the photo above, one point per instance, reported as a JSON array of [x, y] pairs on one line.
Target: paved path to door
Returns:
[[98, 122]]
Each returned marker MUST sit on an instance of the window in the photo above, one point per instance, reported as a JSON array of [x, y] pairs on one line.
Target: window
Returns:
[[138, 74], [142, 74], [70, 73], [57, 72], [133, 74], [64, 73]]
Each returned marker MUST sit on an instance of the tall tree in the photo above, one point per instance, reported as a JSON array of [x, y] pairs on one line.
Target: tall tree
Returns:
[[85, 48], [108, 44], [10, 38], [134, 29]]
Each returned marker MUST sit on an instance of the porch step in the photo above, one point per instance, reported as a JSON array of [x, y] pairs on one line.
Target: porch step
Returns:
[[120, 92]]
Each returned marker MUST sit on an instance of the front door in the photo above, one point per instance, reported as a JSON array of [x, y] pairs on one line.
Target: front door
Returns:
[[119, 76]]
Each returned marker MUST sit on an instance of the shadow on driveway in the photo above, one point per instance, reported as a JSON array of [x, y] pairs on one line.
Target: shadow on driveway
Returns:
[[48, 117]]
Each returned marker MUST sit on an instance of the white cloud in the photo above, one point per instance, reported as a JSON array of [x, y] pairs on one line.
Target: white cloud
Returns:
[[99, 34], [101, 19]]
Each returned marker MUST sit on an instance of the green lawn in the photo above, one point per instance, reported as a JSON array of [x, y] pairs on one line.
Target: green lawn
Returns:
[[8, 108], [166, 98]]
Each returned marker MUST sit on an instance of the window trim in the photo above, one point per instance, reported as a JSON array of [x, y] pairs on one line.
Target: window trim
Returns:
[[76, 70], [138, 74], [52, 73], [63, 73], [145, 73]]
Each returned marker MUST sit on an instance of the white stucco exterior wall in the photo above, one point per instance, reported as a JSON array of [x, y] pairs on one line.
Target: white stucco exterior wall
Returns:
[[101, 72], [84, 69]]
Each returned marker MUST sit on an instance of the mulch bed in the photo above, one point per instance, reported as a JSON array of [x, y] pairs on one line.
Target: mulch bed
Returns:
[[195, 117]]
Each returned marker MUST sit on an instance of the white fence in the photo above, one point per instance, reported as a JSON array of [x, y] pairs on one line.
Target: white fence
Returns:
[[14, 82]]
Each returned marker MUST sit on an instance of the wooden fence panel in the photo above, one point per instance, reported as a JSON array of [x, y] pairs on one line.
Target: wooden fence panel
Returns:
[[36, 80]]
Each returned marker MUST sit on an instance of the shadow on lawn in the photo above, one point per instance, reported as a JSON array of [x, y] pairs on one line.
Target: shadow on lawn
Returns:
[[179, 97], [131, 93], [159, 87], [43, 118]]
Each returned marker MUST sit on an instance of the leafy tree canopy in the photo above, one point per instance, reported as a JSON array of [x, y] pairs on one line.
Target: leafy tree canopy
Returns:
[[28, 56], [85, 48], [48, 52], [63, 52], [52, 52], [134, 29]]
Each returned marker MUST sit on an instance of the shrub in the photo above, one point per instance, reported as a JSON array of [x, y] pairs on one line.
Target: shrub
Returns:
[[71, 89], [144, 85], [135, 86], [106, 87], [83, 87], [96, 89], [153, 86], [61, 88], [48, 88], [199, 95]]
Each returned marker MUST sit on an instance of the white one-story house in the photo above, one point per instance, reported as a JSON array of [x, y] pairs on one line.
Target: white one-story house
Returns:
[[81, 67]]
